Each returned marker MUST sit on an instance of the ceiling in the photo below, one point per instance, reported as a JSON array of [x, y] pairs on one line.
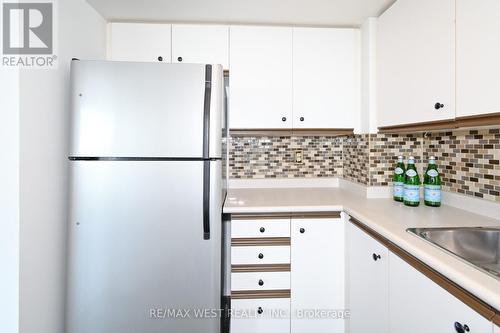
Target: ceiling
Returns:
[[272, 12]]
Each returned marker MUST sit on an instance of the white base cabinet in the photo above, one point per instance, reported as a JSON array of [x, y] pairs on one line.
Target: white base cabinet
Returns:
[[417, 304], [260, 315], [318, 275], [368, 283]]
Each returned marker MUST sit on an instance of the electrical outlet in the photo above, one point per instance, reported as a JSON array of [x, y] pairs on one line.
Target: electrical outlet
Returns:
[[299, 157]]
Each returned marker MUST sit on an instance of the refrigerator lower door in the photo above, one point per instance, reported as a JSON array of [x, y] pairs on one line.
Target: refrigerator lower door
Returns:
[[138, 260]]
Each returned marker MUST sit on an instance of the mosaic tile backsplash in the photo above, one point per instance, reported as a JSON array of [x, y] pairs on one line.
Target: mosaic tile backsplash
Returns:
[[468, 160], [274, 157]]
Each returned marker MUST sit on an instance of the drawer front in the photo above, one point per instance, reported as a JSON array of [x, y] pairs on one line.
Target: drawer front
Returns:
[[260, 228], [271, 315], [257, 255], [260, 281]]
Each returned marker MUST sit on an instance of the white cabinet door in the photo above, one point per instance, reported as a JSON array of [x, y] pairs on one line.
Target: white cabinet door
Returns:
[[368, 288], [326, 78], [417, 304], [478, 54], [317, 274], [416, 62], [206, 44], [260, 77], [496, 329], [139, 42]]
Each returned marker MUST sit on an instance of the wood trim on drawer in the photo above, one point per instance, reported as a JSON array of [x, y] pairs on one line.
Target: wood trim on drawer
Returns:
[[296, 215], [491, 119], [463, 295], [267, 241], [260, 268], [291, 132], [256, 294]]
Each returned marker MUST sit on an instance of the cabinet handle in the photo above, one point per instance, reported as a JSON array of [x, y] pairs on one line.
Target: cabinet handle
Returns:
[[261, 256], [459, 328], [179, 59], [259, 310], [302, 230], [262, 229], [376, 256], [261, 283], [283, 119], [301, 118], [438, 106], [160, 58]]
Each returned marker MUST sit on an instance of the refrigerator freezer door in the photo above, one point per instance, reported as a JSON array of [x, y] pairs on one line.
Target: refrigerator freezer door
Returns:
[[137, 256], [130, 109]]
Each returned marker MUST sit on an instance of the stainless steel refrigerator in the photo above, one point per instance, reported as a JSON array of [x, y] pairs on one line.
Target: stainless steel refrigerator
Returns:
[[146, 195]]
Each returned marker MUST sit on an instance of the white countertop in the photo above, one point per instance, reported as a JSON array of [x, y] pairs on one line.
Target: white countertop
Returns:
[[385, 216]]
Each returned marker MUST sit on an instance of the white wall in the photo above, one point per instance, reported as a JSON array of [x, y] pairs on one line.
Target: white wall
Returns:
[[9, 200], [44, 111], [368, 76]]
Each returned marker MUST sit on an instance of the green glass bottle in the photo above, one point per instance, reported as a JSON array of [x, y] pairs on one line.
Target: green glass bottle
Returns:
[[412, 184], [432, 184], [398, 180]]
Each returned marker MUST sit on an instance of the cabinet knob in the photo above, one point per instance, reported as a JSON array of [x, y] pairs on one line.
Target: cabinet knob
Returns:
[[179, 59], [262, 229], [259, 310], [160, 58], [302, 230], [261, 283], [261, 256], [301, 118], [283, 119], [459, 328], [376, 256], [438, 106]]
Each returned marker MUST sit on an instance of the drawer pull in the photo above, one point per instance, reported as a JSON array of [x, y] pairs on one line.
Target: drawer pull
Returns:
[[261, 283], [376, 256], [261, 256], [302, 230], [259, 310], [262, 229]]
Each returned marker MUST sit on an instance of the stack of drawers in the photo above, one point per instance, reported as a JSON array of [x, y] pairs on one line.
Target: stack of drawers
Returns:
[[260, 274]]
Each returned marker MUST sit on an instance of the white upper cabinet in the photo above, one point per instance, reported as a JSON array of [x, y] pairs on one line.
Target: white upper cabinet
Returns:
[[368, 287], [417, 304], [416, 62], [206, 44], [478, 54], [318, 273], [260, 77], [139, 42], [326, 78]]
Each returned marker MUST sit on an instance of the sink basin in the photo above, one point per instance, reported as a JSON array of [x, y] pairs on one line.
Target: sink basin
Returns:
[[477, 246]]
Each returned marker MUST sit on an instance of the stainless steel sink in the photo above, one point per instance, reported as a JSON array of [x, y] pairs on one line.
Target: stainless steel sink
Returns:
[[477, 246]]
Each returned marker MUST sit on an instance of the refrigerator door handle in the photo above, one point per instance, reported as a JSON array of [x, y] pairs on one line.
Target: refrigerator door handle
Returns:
[[206, 111], [206, 199]]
